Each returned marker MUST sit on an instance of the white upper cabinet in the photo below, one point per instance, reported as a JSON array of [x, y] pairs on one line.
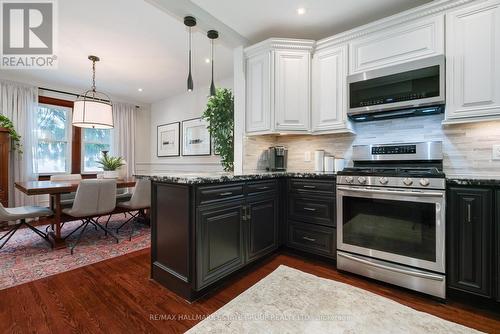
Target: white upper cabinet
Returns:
[[258, 93], [473, 62], [397, 44], [329, 95], [292, 90], [278, 80]]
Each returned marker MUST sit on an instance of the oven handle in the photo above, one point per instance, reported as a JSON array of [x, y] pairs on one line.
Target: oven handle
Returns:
[[393, 192], [397, 270]]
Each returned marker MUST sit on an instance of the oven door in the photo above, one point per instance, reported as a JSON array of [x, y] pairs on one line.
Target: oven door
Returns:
[[398, 225]]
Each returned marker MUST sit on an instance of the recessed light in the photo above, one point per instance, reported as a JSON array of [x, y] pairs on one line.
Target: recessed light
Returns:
[[207, 60], [301, 11], [139, 89]]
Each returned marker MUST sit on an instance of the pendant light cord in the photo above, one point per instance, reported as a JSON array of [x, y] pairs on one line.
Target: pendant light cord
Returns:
[[212, 54], [93, 76], [189, 49]]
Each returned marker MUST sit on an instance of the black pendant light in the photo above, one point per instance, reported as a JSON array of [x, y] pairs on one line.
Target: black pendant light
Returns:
[[190, 22], [212, 34]]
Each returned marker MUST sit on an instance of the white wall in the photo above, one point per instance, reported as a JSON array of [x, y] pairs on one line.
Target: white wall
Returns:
[[177, 108]]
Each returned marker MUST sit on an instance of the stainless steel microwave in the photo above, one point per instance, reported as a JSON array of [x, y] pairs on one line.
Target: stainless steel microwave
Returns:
[[409, 86]]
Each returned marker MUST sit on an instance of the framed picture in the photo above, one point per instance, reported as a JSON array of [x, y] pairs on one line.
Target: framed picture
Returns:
[[168, 140], [195, 138]]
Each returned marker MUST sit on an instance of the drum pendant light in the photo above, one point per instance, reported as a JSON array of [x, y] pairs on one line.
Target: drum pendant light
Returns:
[[212, 34], [93, 109], [189, 22]]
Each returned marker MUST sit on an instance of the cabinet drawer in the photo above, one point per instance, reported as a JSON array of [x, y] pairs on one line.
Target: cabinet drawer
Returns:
[[210, 194], [261, 187], [316, 239], [313, 186], [311, 209]]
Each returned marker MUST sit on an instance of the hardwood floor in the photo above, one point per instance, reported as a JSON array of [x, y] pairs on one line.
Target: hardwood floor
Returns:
[[116, 296]]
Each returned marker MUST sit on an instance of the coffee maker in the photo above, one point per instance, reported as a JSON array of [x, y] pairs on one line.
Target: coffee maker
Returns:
[[277, 156]]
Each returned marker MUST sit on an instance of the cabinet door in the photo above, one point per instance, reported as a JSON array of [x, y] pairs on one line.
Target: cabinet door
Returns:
[[470, 234], [262, 229], [258, 93], [497, 242], [397, 44], [329, 101], [292, 91], [473, 61], [219, 241]]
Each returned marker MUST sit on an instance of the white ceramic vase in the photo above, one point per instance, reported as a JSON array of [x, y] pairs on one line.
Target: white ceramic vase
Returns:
[[111, 174]]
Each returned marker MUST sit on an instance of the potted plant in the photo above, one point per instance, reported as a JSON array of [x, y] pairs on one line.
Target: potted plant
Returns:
[[6, 123], [110, 165], [220, 116]]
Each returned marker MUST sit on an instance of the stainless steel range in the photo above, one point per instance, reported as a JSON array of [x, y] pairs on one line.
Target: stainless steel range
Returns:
[[391, 215]]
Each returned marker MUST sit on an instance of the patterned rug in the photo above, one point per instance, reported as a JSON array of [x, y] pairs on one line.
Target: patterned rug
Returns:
[[291, 301], [27, 257]]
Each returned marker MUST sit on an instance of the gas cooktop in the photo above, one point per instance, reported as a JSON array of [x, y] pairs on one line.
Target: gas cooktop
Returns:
[[428, 172]]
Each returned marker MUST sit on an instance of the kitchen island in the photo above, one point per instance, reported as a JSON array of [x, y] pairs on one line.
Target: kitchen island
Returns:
[[206, 226]]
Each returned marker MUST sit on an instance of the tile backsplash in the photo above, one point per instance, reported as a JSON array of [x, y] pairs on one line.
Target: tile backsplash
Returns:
[[467, 147]]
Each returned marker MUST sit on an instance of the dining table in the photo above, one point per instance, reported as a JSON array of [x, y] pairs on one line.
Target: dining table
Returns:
[[55, 189]]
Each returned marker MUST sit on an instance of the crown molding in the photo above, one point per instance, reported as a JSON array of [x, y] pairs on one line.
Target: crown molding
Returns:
[[432, 8], [280, 44]]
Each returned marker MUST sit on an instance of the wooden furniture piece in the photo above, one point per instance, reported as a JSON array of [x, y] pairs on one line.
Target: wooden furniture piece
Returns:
[[201, 233], [473, 241], [56, 189], [311, 216], [4, 166]]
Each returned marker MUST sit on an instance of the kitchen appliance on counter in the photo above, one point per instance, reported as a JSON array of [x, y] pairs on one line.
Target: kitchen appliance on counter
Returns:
[[414, 88], [277, 157], [391, 215]]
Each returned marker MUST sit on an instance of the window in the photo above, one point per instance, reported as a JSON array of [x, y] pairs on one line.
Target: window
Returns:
[[54, 133], [94, 142]]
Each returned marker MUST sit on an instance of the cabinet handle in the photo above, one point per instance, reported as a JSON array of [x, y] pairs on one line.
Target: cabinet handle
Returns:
[[310, 187], [226, 193], [309, 239], [263, 188], [469, 213], [310, 209]]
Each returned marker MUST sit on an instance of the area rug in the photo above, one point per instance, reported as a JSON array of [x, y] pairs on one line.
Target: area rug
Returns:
[[27, 257], [291, 301]]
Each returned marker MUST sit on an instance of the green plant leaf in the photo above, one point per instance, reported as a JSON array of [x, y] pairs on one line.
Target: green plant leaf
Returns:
[[220, 116], [110, 163], [5, 122]]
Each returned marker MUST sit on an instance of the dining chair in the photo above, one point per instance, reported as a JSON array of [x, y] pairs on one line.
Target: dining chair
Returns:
[[21, 214], [140, 201], [94, 198], [66, 199]]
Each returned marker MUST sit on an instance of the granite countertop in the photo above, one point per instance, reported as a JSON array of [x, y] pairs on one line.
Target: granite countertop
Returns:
[[473, 180], [220, 177]]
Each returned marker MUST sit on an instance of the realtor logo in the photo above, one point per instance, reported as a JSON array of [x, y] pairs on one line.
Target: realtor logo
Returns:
[[28, 30]]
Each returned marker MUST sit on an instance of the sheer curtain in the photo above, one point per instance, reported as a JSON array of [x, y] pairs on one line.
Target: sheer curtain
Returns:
[[124, 134], [19, 103]]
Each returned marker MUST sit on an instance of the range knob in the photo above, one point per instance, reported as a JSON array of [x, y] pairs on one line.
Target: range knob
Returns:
[[349, 179], [424, 182], [383, 180], [407, 181], [362, 179]]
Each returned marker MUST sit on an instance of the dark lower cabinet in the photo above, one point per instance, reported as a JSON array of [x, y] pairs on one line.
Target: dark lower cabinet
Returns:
[[470, 240], [497, 242], [316, 239], [262, 226], [220, 251]]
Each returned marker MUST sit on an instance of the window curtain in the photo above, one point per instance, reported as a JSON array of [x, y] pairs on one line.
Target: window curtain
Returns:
[[124, 135], [19, 103]]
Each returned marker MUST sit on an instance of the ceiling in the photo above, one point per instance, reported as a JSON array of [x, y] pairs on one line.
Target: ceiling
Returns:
[[141, 46], [257, 20]]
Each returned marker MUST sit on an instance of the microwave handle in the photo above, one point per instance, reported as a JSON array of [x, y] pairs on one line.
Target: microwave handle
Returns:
[[395, 192]]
